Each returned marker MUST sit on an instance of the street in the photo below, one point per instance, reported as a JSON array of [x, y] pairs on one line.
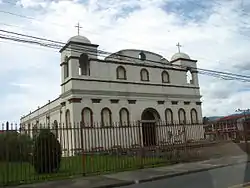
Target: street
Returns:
[[227, 177]]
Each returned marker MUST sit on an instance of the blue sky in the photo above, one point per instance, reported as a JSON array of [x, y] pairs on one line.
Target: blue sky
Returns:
[[213, 32]]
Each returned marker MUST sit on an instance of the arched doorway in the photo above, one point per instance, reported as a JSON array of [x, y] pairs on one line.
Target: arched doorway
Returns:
[[149, 118]]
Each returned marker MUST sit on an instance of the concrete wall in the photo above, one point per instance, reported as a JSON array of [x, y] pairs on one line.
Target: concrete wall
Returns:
[[135, 110]]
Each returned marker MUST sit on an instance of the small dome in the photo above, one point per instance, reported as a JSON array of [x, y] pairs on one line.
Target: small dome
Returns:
[[80, 39], [180, 55]]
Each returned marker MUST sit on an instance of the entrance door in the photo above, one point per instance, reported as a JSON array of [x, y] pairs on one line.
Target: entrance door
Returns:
[[148, 128], [149, 132]]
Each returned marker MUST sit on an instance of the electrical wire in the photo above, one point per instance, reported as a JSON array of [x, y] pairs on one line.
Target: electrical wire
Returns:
[[58, 45], [104, 52], [61, 25], [221, 74]]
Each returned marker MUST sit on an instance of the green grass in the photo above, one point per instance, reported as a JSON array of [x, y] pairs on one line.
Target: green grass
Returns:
[[18, 173]]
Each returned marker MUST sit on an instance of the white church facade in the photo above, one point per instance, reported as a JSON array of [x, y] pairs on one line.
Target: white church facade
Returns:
[[127, 86]]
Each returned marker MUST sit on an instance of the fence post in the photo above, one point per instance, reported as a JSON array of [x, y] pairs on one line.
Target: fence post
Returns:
[[82, 149], [7, 152], [245, 134], [185, 137], [139, 125]]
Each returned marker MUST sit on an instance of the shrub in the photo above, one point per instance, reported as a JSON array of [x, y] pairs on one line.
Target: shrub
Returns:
[[15, 147], [47, 153]]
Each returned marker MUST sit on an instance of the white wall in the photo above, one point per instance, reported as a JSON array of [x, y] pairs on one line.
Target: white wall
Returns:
[[135, 110], [137, 88], [191, 132]]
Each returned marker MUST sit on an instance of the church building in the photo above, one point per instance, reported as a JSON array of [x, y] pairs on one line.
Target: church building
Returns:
[[105, 98]]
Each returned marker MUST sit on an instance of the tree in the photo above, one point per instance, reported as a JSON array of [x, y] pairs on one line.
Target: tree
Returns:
[[47, 153]]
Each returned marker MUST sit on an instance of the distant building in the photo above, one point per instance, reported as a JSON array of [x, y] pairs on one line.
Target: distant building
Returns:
[[228, 127]]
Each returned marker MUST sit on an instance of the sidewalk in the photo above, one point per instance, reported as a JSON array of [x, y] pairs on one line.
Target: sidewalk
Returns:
[[143, 175]]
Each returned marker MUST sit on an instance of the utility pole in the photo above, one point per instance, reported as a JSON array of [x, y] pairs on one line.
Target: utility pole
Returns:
[[245, 125], [244, 112]]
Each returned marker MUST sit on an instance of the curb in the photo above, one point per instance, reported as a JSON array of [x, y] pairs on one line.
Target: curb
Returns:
[[126, 183], [240, 185]]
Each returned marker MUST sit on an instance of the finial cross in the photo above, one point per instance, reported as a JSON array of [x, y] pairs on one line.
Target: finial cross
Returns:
[[179, 47], [78, 28]]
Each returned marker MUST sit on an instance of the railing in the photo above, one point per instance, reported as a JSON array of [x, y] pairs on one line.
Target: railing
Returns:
[[95, 149]]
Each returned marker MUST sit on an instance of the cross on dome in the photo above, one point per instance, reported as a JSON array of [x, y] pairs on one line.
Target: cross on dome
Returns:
[[78, 28], [179, 47]]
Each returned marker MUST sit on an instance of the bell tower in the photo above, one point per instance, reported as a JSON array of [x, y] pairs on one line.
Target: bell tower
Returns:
[[184, 61], [75, 60]]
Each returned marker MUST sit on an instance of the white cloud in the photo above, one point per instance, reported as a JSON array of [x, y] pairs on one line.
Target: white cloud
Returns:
[[21, 85], [217, 43]]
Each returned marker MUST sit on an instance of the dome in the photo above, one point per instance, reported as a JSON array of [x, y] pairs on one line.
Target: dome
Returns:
[[180, 55], [80, 39]]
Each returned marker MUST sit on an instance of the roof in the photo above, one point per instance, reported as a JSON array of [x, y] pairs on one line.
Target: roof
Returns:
[[180, 55], [233, 117], [80, 39]]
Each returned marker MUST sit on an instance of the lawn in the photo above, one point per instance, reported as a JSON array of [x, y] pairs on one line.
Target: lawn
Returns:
[[18, 173]]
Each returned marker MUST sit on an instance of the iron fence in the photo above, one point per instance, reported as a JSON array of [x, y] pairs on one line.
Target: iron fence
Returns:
[[99, 148]]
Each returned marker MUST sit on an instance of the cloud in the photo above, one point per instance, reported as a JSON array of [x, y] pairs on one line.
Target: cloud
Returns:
[[218, 40], [33, 3]]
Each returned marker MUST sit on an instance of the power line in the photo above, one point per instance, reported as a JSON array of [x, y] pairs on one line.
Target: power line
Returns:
[[56, 24], [53, 45], [10, 32], [29, 36], [114, 54]]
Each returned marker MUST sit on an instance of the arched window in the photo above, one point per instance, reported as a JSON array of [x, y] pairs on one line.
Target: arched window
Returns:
[[165, 77], [144, 75], [121, 73], [124, 117], [106, 116], [67, 119], [194, 116], [35, 130], [182, 116], [66, 67], [142, 56], [84, 66], [87, 117], [169, 116], [55, 128], [189, 77]]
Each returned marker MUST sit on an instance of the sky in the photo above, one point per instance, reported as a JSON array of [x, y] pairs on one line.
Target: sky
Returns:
[[216, 33]]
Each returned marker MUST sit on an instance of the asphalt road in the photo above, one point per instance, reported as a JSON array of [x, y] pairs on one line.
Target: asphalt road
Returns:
[[218, 178]]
